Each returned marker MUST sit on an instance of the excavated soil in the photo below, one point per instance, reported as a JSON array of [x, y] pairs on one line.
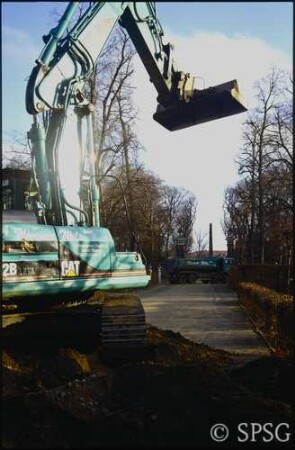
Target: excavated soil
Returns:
[[169, 397]]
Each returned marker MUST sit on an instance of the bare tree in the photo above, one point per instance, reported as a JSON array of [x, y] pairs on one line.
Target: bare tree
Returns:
[[111, 92], [201, 243], [172, 201], [16, 154], [281, 133], [159, 212], [185, 218], [266, 139], [237, 220]]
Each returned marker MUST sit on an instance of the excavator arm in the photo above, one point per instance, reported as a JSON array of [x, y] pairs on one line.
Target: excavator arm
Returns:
[[55, 92], [66, 62]]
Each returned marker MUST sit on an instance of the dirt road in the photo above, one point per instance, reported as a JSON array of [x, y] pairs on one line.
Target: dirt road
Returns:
[[204, 313]]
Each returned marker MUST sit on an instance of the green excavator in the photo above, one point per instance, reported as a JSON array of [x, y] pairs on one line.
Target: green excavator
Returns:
[[57, 259]]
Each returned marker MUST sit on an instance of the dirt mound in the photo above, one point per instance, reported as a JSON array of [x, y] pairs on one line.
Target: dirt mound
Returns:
[[73, 398]]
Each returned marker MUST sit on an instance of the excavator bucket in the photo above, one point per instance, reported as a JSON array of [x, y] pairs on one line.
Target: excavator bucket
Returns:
[[208, 104]]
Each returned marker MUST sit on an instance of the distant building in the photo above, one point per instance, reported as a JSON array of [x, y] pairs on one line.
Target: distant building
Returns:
[[15, 182]]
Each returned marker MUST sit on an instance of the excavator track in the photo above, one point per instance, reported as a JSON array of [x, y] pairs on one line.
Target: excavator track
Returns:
[[114, 321], [123, 322]]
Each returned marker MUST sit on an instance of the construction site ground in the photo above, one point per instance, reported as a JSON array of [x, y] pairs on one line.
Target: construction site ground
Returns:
[[75, 395], [205, 313]]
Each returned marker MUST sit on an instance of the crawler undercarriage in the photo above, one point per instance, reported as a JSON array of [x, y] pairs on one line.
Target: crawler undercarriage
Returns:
[[116, 320]]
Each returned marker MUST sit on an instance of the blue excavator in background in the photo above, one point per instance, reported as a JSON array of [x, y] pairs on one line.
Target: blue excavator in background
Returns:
[[57, 260]]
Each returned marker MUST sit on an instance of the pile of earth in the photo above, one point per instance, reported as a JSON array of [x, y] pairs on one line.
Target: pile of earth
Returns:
[[71, 397]]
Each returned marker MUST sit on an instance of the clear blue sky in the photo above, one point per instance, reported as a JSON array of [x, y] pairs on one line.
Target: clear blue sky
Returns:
[[270, 21]]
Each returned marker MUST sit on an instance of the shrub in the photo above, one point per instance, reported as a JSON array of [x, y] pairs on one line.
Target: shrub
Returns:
[[273, 313]]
